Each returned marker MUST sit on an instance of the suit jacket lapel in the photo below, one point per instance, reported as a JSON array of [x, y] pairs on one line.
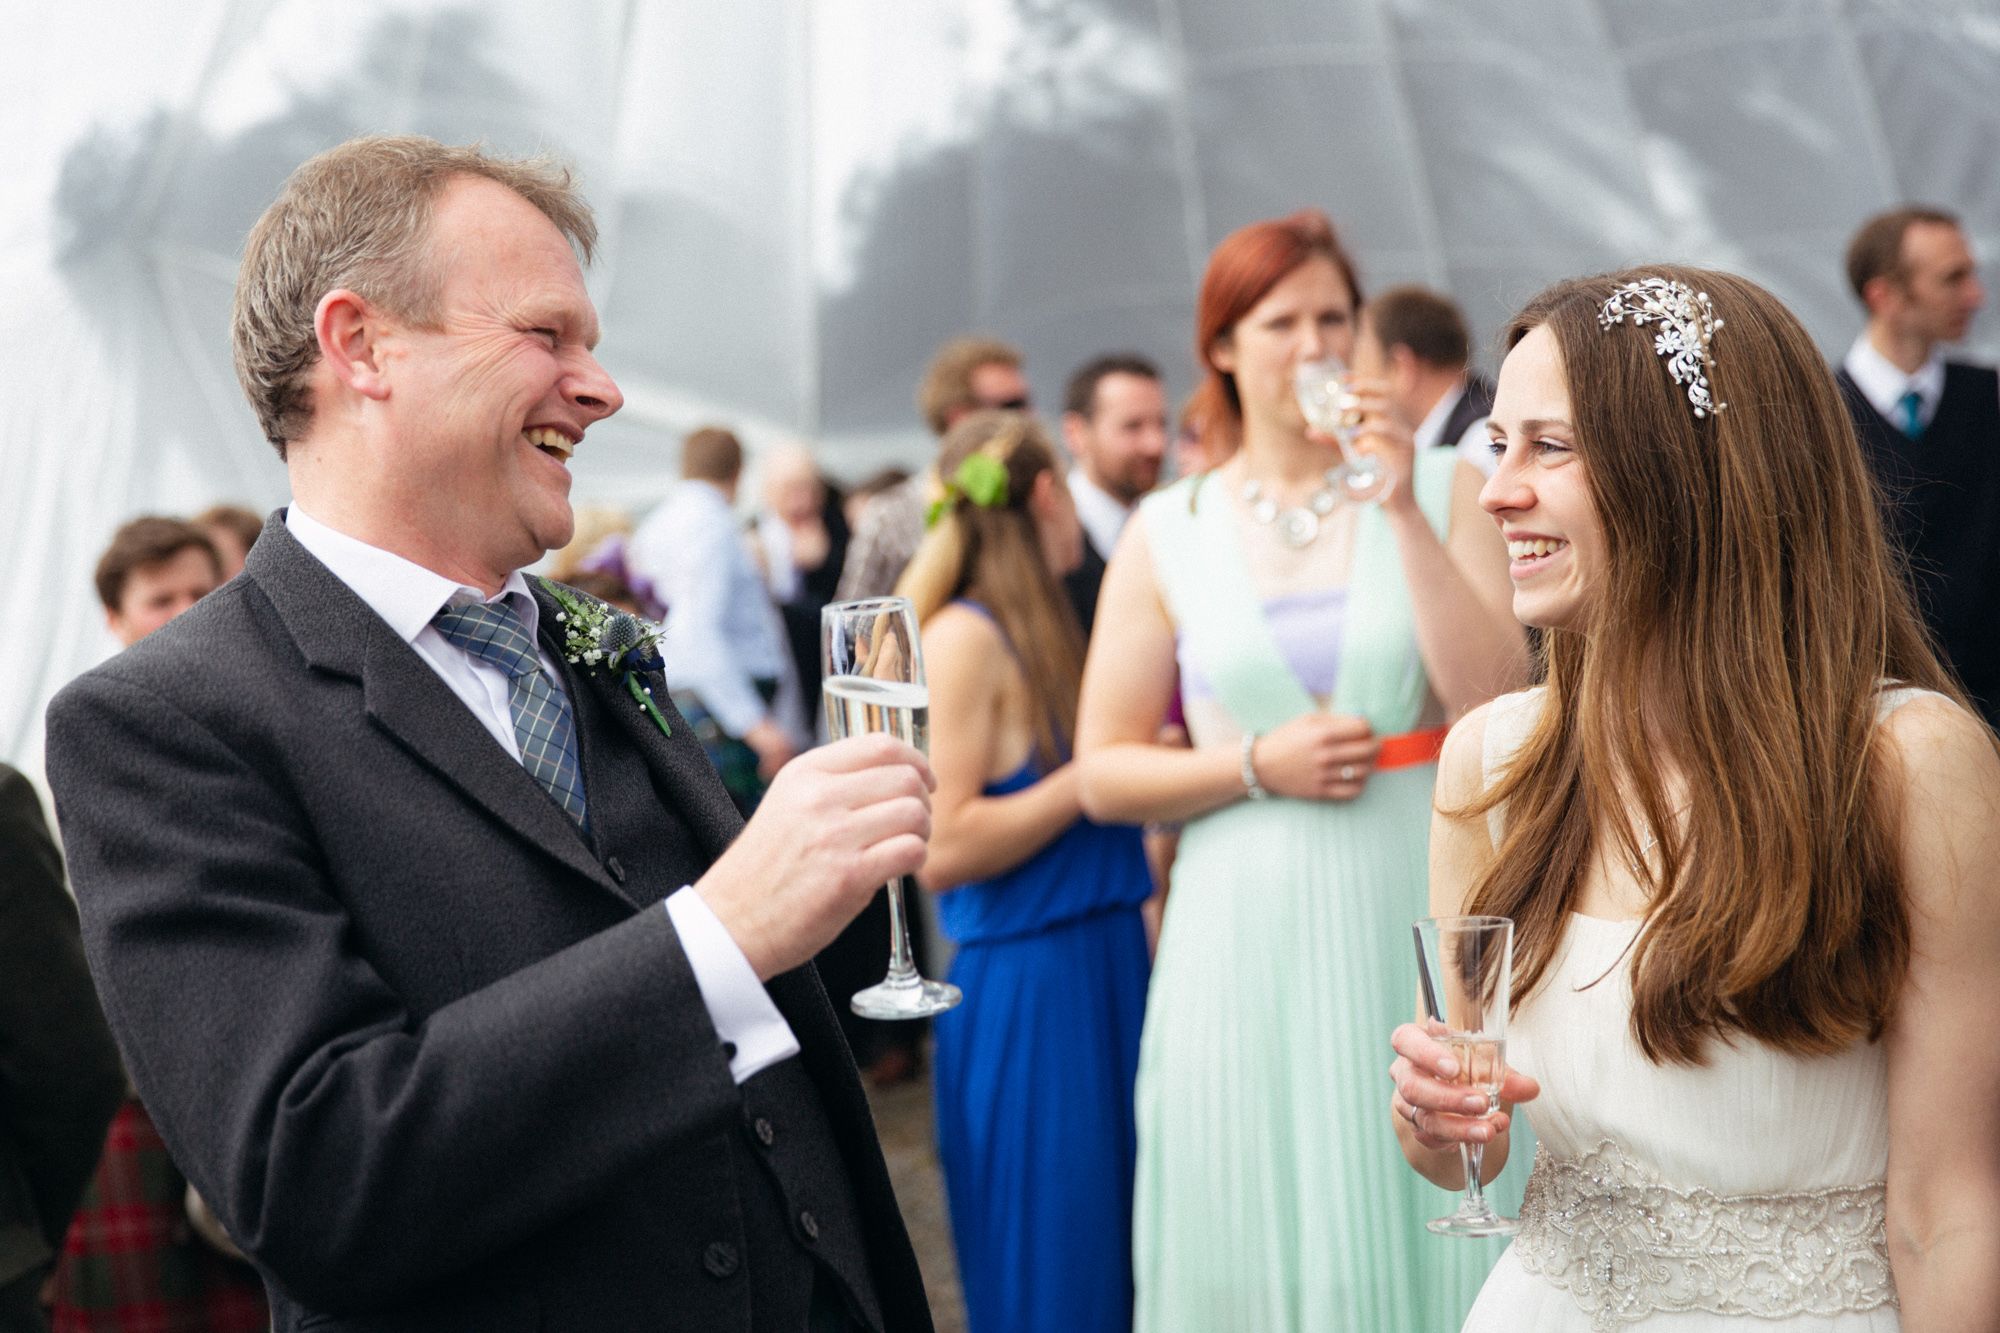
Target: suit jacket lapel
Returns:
[[338, 633]]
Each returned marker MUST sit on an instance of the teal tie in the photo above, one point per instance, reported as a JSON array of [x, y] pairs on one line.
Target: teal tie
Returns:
[[493, 632], [1912, 404]]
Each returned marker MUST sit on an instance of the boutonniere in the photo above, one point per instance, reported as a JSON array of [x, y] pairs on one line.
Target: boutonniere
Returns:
[[598, 635]]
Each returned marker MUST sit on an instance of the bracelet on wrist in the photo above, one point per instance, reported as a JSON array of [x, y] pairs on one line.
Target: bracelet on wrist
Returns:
[[1251, 787]]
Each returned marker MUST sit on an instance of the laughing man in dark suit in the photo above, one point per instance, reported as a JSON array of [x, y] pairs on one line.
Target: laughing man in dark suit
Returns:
[[450, 974]]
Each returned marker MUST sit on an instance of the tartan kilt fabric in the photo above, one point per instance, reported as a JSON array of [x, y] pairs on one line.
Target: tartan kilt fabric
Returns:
[[132, 1264], [735, 763]]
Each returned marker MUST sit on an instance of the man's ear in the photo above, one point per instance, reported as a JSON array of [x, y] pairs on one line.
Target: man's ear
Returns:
[[1880, 292], [349, 330], [1404, 368]]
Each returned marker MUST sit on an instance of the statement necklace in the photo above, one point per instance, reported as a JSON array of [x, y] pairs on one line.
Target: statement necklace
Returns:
[[1299, 526]]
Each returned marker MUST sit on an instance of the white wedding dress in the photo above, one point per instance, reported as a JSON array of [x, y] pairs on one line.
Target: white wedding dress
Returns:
[[1745, 1192]]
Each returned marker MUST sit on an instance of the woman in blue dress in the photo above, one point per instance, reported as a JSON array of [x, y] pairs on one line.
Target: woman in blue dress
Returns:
[[1035, 1069]]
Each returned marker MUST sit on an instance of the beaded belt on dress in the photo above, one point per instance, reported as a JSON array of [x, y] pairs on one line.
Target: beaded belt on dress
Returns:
[[1623, 1245]]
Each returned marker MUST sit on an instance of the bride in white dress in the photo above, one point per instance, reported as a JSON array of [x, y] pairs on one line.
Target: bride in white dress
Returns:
[[1749, 837]]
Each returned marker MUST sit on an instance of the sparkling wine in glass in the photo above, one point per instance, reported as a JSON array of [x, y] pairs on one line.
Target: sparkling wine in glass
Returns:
[[1465, 968], [875, 682], [1329, 407]]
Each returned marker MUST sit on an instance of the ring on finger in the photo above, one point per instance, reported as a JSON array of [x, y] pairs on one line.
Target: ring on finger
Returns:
[[1410, 1110], [1348, 772]]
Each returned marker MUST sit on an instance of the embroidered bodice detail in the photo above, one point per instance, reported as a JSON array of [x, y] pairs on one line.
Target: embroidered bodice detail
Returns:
[[1625, 1245]]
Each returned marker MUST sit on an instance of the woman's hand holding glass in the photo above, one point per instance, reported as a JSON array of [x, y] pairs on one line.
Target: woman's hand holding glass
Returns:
[[1441, 1112], [1381, 434], [1317, 757]]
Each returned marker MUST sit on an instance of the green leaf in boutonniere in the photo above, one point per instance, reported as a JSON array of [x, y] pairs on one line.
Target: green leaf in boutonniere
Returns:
[[596, 634]]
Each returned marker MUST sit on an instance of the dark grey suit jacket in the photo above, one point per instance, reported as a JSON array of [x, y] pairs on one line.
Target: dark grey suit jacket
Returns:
[[60, 1081], [431, 1062]]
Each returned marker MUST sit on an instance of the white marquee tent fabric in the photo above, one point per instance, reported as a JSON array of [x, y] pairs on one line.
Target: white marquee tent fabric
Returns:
[[800, 198]]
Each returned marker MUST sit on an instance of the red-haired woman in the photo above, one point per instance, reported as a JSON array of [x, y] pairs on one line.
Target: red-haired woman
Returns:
[[1321, 646], [1749, 836]]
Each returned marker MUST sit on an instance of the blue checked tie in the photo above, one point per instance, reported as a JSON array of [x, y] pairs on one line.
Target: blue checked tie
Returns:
[[493, 632]]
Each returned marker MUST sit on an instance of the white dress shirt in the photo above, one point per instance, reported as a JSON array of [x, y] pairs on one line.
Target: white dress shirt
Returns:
[[1473, 446], [408, 596], [1883, 383], [1102, 513], [722, 631]]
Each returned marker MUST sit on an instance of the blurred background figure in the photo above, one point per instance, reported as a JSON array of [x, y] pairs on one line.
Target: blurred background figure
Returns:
[[1035, 1068], [134, 1261], [58, 1066], [725, 651], [967, 375], [232, 529], [1413, 340], [1115, 424], [154, 569], [1930, 429], [801, 538], [601, 544], [1318, 660], [863, 492]]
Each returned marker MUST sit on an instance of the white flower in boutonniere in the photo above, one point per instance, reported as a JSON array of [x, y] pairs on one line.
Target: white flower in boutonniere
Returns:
[[597, 635]]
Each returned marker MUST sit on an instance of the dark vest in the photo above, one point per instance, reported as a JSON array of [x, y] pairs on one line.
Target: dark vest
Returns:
[[1473, 404], [1941, 503], [799, 1218], [1082, 584]]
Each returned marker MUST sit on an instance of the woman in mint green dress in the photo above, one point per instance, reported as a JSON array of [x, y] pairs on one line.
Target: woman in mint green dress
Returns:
[[1319, 648]]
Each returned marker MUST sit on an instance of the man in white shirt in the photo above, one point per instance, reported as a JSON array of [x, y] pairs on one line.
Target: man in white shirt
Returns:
[[450, 975], [1931, 428], [1115, 424], [724, 646], [1414, 340]]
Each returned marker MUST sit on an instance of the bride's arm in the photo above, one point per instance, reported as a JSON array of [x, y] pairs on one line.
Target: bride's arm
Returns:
[[1461, 849], [1944, 1083]]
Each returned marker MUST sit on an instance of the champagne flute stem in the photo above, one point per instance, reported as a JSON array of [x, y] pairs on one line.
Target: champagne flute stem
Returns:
[[902, 966], [1473, 1155]]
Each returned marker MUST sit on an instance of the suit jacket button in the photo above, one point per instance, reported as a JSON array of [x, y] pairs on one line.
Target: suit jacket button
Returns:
[[720, 1259], [766, 1135], [809, 1224], [617, 869]]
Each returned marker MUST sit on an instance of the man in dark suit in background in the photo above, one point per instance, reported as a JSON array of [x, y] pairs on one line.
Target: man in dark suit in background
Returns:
[[448, 970], [60, 1080], [1414, 341], [1115, 424], [1931, 429]]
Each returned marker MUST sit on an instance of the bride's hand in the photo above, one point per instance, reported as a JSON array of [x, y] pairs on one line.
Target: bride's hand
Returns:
[[1443, 1114], [1317, 757]]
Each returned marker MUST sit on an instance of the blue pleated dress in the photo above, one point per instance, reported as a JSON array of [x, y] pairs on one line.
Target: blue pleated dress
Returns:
[[1034, 1080]]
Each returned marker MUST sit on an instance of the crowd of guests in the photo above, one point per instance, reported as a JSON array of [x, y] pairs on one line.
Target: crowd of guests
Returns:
[[1171, 668]]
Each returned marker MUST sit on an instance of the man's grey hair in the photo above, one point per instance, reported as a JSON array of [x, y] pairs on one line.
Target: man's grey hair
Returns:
[[359, 217]]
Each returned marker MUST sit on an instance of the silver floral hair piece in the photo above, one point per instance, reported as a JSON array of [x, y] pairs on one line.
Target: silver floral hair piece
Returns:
[[1687, 327]]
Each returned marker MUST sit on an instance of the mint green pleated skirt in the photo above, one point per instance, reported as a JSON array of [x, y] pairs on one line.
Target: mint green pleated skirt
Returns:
[[1271, 1194]]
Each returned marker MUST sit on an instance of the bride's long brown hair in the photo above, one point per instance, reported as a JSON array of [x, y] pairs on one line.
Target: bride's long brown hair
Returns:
[[1747, 613]]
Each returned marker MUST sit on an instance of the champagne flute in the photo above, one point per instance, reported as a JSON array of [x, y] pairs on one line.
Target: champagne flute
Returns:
[[1329, 407], [1465, 967], [875, 682]]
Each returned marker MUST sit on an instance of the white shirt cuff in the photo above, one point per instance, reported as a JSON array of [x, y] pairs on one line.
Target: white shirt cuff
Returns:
[[738, 1004]]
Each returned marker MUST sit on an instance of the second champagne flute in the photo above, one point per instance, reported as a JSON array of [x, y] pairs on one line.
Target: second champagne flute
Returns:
[[875, 682], [1327, 402], [1465, 966]]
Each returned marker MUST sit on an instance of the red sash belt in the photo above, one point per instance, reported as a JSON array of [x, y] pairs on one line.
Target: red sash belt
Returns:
[[1411, 748]]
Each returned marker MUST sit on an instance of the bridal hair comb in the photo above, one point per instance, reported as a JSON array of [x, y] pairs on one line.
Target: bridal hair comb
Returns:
[[1687, 327]]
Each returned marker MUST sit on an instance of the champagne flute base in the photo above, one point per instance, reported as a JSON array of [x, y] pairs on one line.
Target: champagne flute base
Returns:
[[1473, 1222], [894, 999]]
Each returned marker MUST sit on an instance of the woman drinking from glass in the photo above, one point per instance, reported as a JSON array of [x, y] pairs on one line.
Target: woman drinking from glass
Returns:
[[1321, 644]]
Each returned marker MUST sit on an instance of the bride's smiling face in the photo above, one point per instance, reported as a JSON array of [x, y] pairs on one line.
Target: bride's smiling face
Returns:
[[1540, 496]]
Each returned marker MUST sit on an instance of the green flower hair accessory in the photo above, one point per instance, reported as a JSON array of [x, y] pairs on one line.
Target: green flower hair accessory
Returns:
[[981, 478]]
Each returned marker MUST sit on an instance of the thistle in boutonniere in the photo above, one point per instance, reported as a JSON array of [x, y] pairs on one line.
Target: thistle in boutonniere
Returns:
[[597, 635]]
